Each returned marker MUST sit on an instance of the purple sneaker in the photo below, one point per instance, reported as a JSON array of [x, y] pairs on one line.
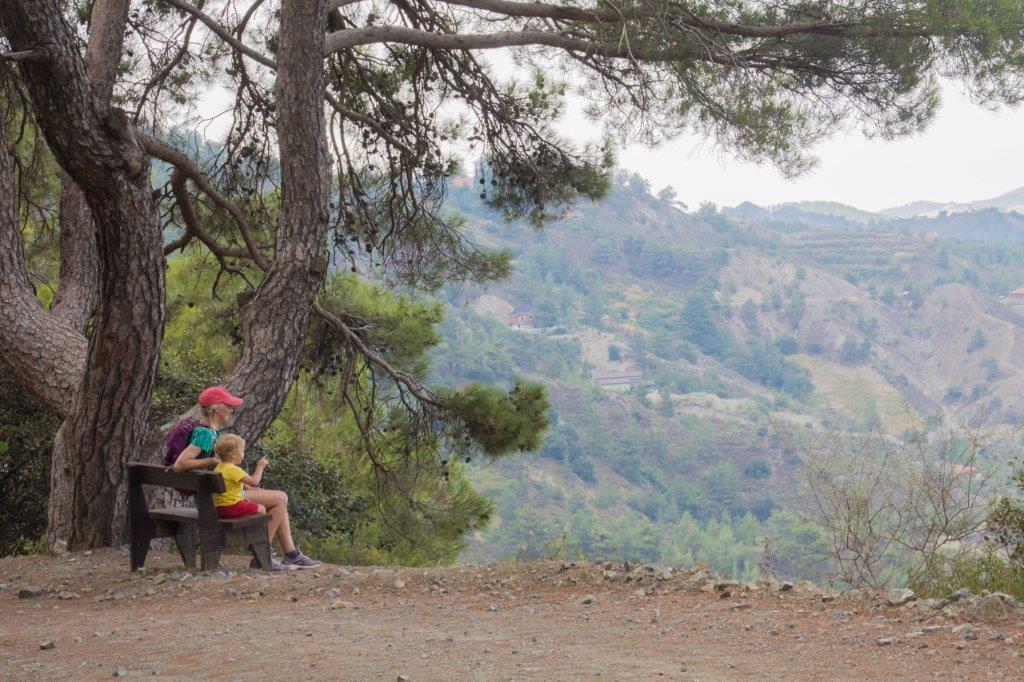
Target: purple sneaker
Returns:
[[300, 561], [277, 566]]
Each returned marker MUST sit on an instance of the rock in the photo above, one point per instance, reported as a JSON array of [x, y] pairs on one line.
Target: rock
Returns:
[[64, 594], [962, 593], [30, 592], [826, 598], [589, 599], [493, 608], [120, 672], [934, 604], [887, 641], [988, 608], [665, 574], [900, 597], [739, 607], [60, 547], [914, 634], [160, 579], [332, 593], [399, 584], [47, 645], [785, 586], [966, 631], [612, 575], [403, 678], [341, 604], [723, 585]]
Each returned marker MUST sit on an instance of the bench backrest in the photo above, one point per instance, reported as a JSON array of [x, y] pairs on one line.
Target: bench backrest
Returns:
[[203, 483], [155, 474]]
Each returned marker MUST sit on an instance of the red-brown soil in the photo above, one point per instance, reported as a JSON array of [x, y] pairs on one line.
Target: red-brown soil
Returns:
[[495, 622]]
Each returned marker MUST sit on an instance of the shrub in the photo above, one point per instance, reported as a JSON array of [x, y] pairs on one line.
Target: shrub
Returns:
[[319, 504], [978, 341], [987, 570], [26, 440], [757, 469]]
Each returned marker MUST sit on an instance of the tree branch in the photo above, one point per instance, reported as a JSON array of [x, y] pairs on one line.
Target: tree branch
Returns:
[[188, 168], [222, 32]]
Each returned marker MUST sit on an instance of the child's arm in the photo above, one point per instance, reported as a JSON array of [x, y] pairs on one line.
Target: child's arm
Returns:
[[256, 476]]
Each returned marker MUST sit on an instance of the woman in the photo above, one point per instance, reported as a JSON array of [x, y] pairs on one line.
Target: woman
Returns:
[[216, 406]]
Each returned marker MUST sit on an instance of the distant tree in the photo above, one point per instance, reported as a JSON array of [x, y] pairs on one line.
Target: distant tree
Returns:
[[667, 194], [757, 469], [707, 209], [748, 314], [991, 367], [854, 353], [786, 344], [614, 354], [978, 341], [943, 259]]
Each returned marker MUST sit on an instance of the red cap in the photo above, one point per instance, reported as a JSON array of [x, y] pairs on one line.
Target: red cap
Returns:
[[218, 394]]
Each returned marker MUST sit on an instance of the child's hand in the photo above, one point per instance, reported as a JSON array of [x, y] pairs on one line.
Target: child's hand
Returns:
[[263, 463]]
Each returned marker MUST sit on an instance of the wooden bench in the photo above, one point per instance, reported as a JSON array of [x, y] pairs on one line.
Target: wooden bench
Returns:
[[181, 523]]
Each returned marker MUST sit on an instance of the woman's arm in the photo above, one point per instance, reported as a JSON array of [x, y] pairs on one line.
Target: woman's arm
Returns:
[[187, 460]]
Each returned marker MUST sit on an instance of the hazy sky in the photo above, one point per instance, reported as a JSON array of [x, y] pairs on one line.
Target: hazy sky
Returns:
[[968, 153]]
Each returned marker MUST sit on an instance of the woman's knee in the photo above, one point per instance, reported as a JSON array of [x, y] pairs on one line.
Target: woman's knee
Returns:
[[261, 509]]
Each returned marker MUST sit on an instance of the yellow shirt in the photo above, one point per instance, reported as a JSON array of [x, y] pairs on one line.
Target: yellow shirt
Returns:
[[233, 475]]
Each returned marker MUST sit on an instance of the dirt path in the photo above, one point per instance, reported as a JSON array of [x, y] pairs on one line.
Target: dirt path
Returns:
[[495, 622]]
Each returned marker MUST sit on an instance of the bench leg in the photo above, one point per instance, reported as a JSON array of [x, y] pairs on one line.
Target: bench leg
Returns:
[[261, 552], [185, 541], [138, 545]]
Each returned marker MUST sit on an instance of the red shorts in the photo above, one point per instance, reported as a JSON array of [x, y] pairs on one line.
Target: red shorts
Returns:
[[238, 509]]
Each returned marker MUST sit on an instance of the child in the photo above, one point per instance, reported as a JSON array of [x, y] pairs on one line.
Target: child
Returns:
[[230, 450], [235, 502]]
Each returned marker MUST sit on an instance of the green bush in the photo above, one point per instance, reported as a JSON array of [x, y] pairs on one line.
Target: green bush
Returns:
[[977, 572], [319, 504], [757, 469], [26, 440]]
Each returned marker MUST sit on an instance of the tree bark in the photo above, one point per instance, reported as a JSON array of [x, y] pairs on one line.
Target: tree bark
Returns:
[[76, 294], [98, 150], [43, 354], [274, 320]]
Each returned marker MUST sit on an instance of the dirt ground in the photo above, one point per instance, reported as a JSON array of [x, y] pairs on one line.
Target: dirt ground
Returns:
[[496, 622]]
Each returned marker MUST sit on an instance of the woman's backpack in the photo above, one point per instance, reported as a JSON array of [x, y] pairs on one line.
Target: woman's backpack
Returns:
[[177, 440]]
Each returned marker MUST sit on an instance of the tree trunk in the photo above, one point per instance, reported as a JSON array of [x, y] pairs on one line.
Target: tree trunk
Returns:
[[79, 262], [98, 150], [42, 354], [76, 294], [274, 321]]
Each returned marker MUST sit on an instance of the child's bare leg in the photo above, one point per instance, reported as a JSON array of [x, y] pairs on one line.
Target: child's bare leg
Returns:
[[276, 503]]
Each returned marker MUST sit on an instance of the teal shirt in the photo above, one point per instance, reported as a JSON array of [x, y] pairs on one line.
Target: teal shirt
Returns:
[[203, 437]]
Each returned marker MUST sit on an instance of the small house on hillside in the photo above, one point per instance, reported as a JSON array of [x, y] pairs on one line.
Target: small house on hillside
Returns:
[[1016, 295], [520, 319], [618, 381]]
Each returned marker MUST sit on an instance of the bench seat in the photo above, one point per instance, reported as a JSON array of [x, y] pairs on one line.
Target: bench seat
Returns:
[[187, 514]]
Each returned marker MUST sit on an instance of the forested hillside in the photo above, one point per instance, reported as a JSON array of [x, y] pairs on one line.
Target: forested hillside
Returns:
[[753, 339]]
